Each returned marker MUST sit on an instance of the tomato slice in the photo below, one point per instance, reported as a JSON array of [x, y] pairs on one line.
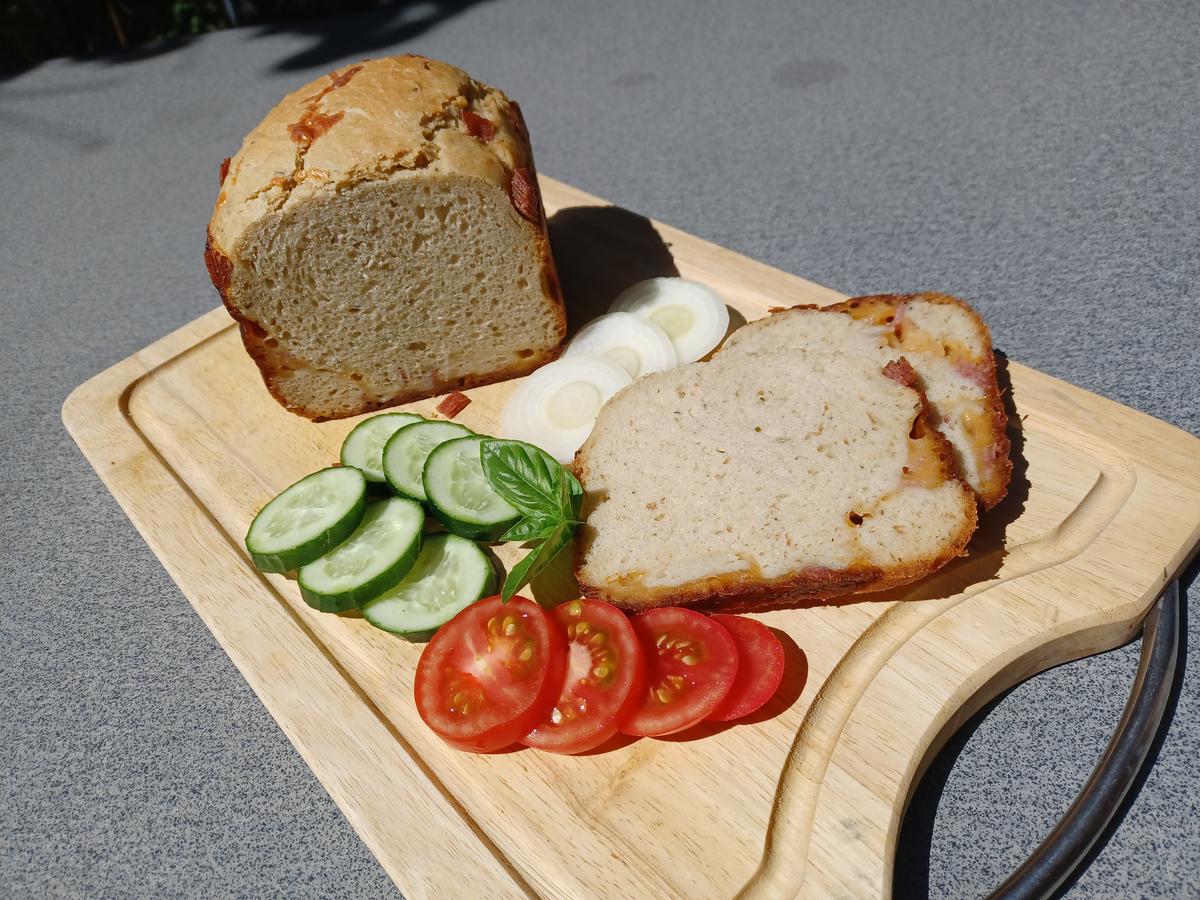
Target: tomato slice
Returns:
[[760, 667], [604, 682], [491, 674], [691, 663]]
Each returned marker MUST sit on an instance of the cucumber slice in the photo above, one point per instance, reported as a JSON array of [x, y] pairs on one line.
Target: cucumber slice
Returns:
[[450, 574], [406, 451], [374, 558], [459, 493], [363, 447], [307, 520]]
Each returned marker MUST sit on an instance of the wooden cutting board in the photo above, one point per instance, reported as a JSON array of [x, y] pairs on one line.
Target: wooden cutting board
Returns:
[[1104, 509]]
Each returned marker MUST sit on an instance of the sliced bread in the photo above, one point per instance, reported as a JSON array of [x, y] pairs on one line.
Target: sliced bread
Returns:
[[757, 477], [380, 238], [946, 343]]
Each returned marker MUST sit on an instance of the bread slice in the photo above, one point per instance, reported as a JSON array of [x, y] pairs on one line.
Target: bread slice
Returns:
[[757, 477], [946, 343], [380, 238]]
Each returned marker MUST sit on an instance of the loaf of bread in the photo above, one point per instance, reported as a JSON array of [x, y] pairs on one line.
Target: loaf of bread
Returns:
[[380, 238], [762, 477], [948, 346]]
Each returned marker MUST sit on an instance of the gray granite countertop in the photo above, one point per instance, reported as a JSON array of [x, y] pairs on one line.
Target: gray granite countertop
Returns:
[[1042, 160]]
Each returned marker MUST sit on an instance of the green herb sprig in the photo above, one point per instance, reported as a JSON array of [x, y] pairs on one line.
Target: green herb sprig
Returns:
[[547, 496]]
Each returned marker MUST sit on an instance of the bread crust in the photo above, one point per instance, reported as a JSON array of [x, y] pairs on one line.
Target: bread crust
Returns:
[[747, 590], [365, 123], [1000, 447]]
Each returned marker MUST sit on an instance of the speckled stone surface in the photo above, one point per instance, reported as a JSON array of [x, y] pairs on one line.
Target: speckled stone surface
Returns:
[[1039, 159]]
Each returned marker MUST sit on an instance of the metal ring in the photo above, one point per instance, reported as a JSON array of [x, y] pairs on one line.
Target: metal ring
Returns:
[[1066, 846]]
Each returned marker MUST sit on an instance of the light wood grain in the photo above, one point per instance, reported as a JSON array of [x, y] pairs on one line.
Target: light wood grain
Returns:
[[1104, 509]]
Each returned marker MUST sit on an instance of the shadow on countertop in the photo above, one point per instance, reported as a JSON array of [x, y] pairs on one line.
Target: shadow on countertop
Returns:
[[31, 33], [332, 39], [335, 38]]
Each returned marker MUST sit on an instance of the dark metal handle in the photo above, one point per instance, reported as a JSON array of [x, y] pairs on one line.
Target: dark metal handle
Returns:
[[1066, 846]]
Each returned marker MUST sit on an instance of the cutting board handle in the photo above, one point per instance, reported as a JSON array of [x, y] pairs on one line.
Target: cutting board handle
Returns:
[[1068, 844]]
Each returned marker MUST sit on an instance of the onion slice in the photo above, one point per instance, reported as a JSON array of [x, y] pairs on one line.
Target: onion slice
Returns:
[[555, 407], [637, 345], [694, 318]]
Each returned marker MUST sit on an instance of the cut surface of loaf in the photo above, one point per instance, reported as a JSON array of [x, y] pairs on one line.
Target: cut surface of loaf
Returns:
[[380, 238], [759, 477], [948, 346]]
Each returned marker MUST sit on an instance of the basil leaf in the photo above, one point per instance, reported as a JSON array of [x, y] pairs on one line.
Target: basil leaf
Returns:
[[519, 473], [534, 527], [536, 560], [575, 489], [566, 505]]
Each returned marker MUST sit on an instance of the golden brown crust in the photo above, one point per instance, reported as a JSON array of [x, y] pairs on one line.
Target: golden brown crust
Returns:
[[220, 270], [370, 121], [362, 123], [738, 588], [747, 590], [997, 455]]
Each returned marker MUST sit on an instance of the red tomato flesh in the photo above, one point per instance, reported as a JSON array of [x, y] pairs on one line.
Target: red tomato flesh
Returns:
[[491, 674], [604, 681], [760, 668], [691, 663]]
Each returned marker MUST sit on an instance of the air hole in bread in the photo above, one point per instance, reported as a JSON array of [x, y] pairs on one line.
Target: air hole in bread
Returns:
[[417, 241], [419, 212], [524, 353], [417, 345], [357, 376], [522, 283], [854, 518], [442, 210]]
